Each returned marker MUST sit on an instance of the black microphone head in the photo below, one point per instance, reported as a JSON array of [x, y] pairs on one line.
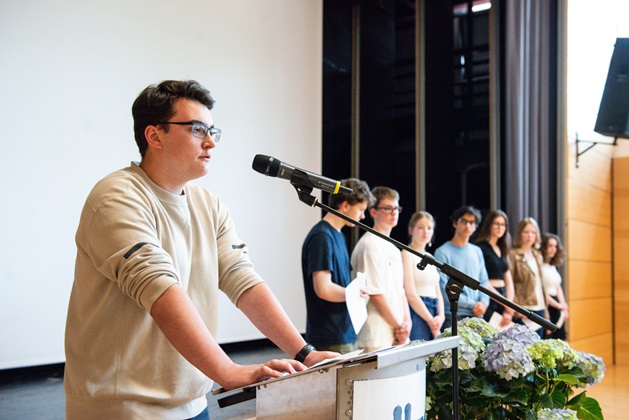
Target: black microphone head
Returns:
[[266, 165]]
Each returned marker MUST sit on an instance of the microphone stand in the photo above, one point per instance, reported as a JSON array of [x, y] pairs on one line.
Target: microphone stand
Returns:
[[454, 287]]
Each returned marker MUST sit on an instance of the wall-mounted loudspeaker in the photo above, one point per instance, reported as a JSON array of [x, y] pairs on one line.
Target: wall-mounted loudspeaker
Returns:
[[613, 114]]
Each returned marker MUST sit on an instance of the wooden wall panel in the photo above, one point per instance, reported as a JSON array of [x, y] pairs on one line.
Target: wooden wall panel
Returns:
[[589, 204], [588, 242], [621, 333], [621, 252], [590, 317], [621, 258], [589, 279], [589, 271], [594, 167]]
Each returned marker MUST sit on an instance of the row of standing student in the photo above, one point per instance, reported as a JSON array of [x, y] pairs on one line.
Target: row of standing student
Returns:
[[414, 308], [526, 273]]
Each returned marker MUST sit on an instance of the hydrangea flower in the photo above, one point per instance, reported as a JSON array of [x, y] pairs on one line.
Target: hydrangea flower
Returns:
[[592, 366], [552, 354], [513, 356], [556, 414], [470, 346], [508, 359], [519, 333], [480, 326]]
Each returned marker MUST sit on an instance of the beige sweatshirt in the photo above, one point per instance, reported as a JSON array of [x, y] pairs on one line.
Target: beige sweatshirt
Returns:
[[133, 242]]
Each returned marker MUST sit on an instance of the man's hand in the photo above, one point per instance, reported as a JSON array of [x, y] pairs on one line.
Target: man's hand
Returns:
[[242, 375], [315, 357]]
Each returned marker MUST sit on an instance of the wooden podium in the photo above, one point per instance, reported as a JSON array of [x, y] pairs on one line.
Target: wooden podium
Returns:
[[389, 384]]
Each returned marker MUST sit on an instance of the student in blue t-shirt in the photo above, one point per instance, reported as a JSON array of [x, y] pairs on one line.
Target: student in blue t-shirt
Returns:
[[459, 253], [326, 271]]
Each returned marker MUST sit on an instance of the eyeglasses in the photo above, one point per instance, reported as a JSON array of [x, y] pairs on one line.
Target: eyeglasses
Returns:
[[389, 209], [199, 129], [467, 222]]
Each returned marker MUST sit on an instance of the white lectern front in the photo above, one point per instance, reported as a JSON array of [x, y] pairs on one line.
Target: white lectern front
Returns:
[[388, 384]]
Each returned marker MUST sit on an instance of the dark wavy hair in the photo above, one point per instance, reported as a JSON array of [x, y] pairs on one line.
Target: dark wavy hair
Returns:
[[458, 213], [504, 242], [360, 193], [156, 103], [557, 260]]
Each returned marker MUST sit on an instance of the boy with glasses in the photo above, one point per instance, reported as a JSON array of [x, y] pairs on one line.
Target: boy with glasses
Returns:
[[153, 250], [388, 317], [326, 271], [467, 258]]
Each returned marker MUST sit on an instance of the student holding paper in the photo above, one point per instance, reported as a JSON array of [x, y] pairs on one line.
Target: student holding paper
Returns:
[[388, 318], [326, 271]]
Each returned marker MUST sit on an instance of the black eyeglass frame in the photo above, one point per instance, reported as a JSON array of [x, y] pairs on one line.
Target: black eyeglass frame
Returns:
[[215, 133], [390, 209]]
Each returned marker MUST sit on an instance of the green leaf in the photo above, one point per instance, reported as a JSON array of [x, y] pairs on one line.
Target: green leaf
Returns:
[[520, 395], [568, 379], [544, 401], [558, 399], [575, 401], [590, 410]]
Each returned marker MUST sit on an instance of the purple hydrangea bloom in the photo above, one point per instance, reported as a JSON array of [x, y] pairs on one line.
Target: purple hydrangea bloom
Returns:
[[520, 333], [508, 359], [592, 366]]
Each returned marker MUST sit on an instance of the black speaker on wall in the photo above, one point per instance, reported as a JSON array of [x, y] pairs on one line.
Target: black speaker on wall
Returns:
[[613, 114]]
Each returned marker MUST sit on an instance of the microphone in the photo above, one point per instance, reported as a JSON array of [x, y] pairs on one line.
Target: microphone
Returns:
[[270, 166]]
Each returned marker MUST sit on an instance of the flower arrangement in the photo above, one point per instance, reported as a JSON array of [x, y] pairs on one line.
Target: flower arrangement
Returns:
[[512, 374]]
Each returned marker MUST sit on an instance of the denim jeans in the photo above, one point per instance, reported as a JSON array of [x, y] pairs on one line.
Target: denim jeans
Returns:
[[420, 330]]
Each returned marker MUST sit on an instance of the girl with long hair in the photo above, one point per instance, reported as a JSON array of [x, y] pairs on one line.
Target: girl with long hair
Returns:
[[525, 264], [495, 242], [422, 286], [553, 255]]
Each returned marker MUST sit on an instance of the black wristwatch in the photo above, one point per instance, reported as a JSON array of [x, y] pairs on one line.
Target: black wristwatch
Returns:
[[304, 352]]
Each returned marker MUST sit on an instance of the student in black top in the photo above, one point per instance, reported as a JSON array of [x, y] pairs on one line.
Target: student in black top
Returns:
[[494, 240]]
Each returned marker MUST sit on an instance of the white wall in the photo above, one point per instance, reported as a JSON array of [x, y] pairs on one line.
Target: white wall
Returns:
[[593, 27], [69, 72]]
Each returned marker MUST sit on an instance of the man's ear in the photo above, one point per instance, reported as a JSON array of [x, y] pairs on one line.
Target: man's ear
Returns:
[[153, 136]]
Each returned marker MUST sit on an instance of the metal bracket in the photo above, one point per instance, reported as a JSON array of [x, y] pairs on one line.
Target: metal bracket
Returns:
[[590, 145]]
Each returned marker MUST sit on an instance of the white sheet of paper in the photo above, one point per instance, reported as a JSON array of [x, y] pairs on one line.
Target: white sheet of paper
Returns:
[[345, 356], [561, 320], [356, 305], [495, 320], [533, 326]]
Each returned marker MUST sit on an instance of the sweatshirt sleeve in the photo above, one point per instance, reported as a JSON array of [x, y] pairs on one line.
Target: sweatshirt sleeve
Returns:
[[235, 269], [118, 234]]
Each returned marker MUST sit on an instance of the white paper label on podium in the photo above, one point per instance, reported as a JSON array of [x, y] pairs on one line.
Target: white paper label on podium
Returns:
[[402, 397], [356, 305]]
